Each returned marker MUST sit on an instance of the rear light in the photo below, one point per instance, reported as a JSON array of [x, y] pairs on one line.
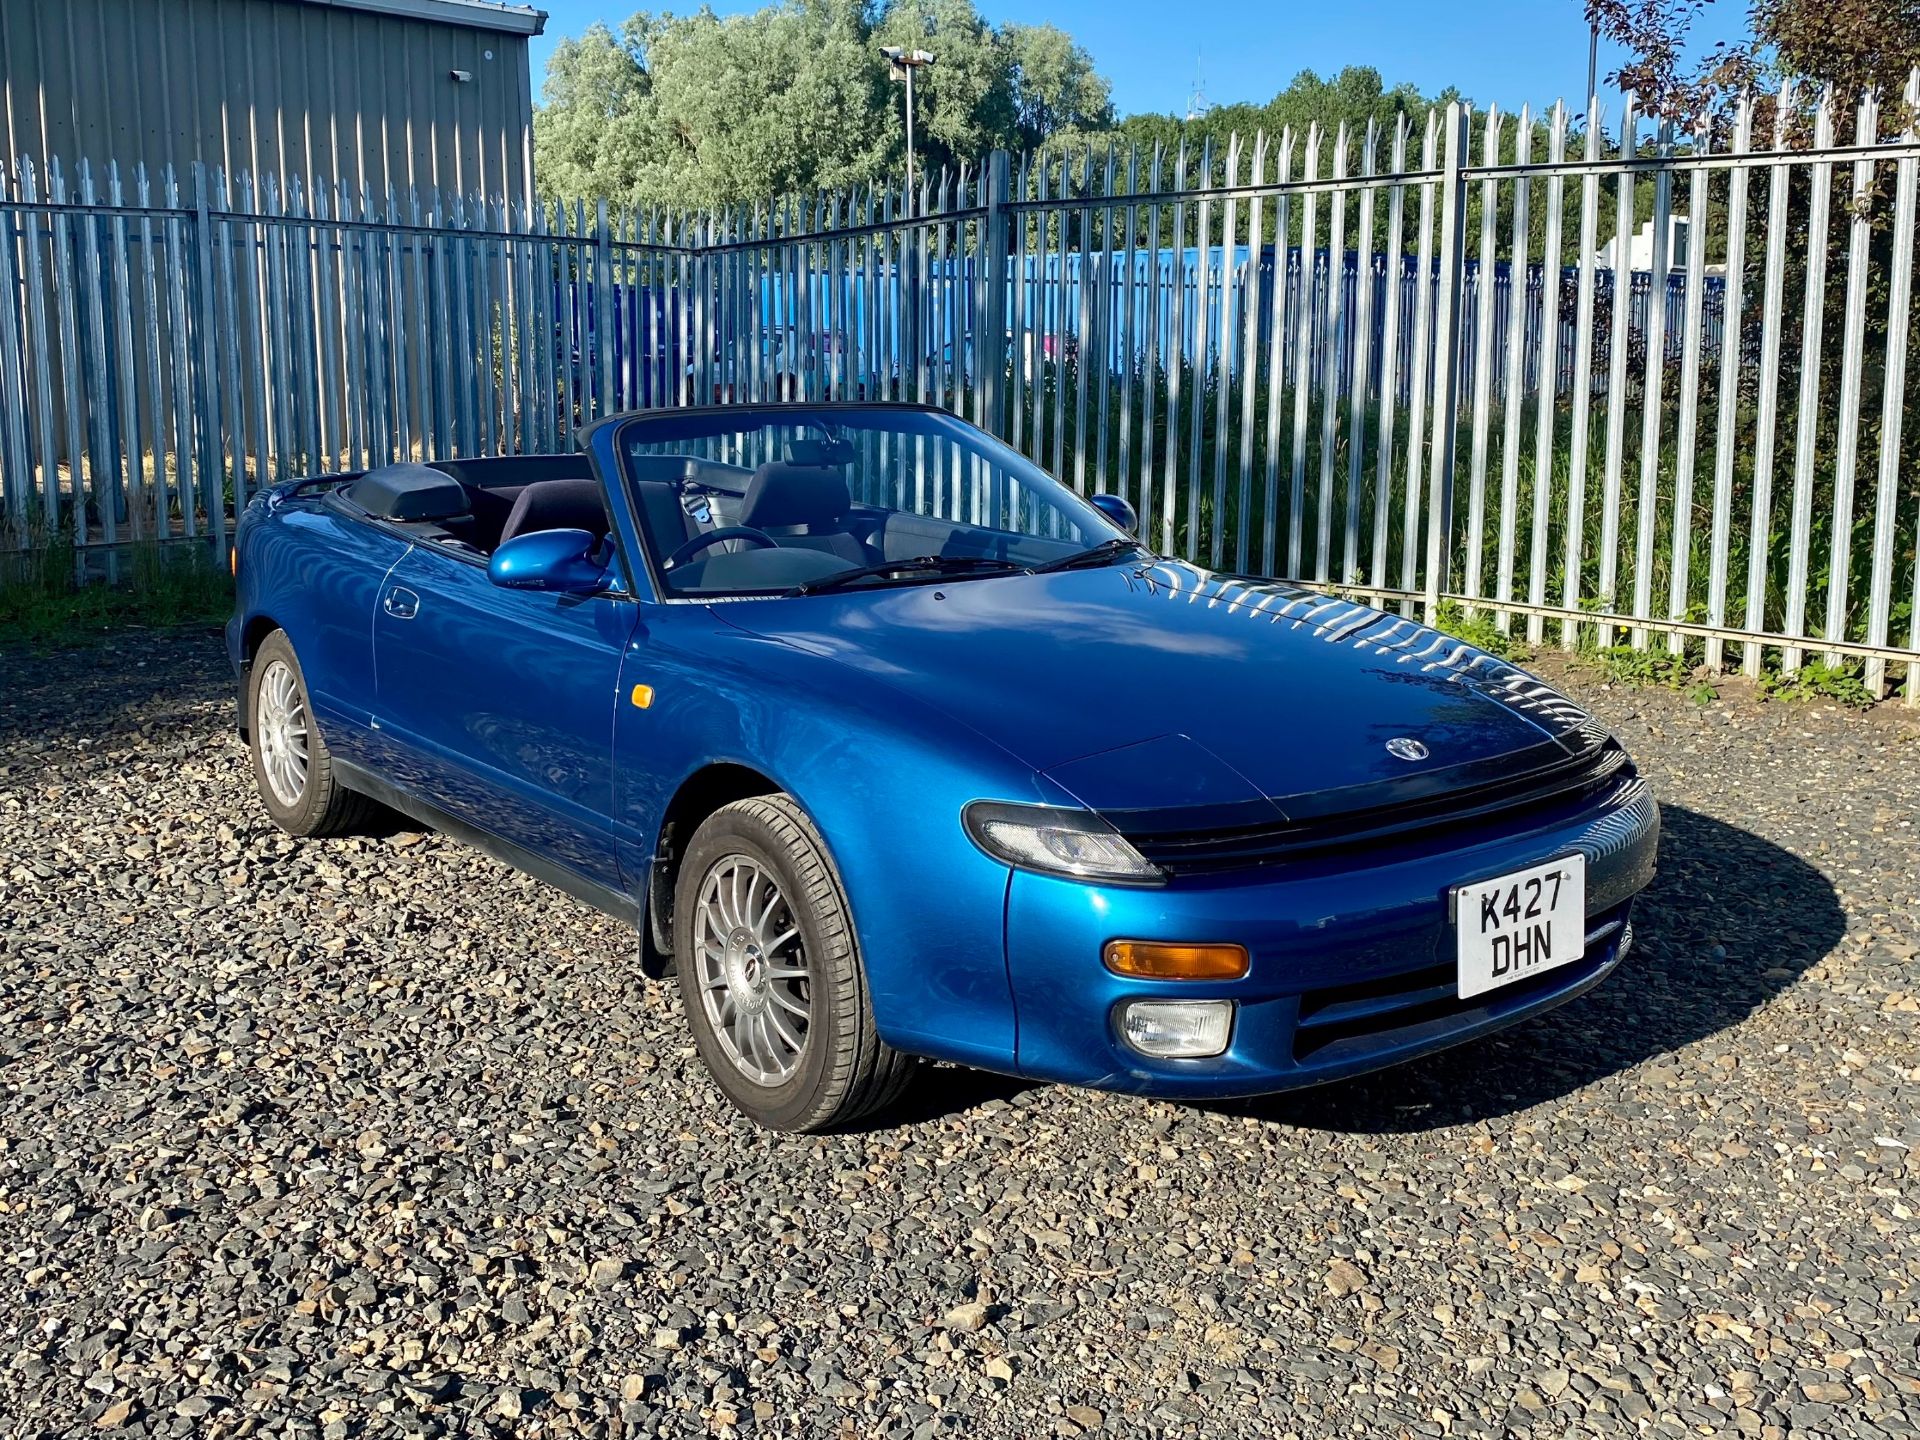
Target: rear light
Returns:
[[1153, 960], [1178, 1029]]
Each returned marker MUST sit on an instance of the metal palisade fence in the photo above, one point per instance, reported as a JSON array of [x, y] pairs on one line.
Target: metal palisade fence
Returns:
[[1645, 387]]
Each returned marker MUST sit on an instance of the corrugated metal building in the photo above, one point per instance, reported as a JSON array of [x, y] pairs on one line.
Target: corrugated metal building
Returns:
[[369, 92]]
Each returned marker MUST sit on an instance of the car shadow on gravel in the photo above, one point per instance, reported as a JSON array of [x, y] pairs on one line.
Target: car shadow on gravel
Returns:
[[940, 1091], [114, 692], [1730, 921]]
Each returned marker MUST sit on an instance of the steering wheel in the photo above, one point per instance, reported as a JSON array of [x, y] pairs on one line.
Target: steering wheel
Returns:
[[700, 544]]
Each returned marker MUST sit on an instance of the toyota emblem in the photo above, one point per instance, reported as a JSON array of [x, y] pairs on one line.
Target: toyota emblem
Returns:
[[1406, 748]]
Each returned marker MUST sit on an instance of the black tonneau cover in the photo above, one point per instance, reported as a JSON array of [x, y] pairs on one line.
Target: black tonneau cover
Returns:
[[409, 492]]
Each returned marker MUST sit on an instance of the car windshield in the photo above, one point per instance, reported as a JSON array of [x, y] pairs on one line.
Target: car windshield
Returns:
[[797, 499]]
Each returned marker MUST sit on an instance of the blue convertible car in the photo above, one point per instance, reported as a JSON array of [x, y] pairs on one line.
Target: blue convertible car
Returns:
[[891, 746]]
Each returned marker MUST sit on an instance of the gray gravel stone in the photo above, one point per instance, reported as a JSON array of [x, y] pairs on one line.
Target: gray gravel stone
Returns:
[[373, 1137]]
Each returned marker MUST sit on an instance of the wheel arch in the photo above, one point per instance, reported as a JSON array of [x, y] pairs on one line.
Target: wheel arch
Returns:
[[881, 775], [257, 630], [715, 784], [252, 635]]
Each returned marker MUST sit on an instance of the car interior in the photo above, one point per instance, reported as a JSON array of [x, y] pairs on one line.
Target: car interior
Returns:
[[804, 519], [714, 526], [475, 506]]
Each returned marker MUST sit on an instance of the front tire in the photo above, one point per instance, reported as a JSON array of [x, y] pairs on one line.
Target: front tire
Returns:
[[292, 767], [770, 974]]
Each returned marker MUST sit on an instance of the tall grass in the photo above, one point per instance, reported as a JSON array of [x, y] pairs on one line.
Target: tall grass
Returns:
[[47, 597]]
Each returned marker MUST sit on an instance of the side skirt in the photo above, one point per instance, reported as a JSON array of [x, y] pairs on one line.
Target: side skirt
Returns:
[[608, 901]]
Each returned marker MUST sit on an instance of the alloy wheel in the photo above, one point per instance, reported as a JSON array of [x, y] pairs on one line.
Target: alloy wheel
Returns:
[[282, 722], [754, 982]]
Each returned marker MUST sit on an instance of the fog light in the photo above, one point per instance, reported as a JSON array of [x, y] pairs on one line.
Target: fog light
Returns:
[[1178, 1029]]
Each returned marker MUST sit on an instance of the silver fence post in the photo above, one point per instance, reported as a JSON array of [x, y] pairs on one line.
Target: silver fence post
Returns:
[[712, 335], [1446, 360], [16, 459], [208, 390], [990, 344], [603, 313], [910, 340]]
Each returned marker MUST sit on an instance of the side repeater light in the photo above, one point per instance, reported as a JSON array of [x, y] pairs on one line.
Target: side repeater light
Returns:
[[1153, 960]]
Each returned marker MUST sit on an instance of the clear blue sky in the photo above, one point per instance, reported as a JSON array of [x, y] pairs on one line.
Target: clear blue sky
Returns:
[[1509, 51]]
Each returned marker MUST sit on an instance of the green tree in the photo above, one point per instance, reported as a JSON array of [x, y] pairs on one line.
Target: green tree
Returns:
[[1055, 89], [1853, 45], [587, 134], [963, 102], [699, 110], [1354, 96]]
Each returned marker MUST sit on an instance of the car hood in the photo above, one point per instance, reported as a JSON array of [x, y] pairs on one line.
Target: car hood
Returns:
[[1166, 687]]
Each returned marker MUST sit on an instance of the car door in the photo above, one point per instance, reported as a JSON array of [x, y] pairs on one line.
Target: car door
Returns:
[[318, 574], [497, 705]]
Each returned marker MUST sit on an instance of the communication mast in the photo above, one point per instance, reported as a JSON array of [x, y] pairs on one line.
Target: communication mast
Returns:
[[1197, 102]]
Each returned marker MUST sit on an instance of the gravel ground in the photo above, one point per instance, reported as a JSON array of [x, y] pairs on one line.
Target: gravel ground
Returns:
[[375, 1137]]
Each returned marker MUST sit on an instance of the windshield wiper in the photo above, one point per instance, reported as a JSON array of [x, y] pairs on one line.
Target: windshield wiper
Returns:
[[1099, 554], [919, 564]]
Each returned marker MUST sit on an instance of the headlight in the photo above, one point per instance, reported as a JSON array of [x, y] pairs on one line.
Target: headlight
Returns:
[[1075, 843]]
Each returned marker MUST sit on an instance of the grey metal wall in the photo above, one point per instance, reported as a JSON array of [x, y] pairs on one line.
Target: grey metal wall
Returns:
[[325, 92]]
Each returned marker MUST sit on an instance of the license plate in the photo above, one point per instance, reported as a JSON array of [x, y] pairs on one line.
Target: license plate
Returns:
[[1521, 924]]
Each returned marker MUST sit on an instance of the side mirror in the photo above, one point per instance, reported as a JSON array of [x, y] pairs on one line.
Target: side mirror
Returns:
[[1118, 511], [554, 560]]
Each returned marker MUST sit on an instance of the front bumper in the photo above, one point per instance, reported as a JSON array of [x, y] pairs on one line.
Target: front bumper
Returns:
[[1351, 960]]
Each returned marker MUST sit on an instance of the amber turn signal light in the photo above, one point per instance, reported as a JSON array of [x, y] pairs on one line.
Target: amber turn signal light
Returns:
[[1153, 960]]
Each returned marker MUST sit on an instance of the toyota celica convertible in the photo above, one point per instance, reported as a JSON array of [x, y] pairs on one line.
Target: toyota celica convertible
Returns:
[[893, 747]]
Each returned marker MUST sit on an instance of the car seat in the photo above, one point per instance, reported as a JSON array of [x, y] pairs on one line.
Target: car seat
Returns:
[[557, 505], [805, 507]]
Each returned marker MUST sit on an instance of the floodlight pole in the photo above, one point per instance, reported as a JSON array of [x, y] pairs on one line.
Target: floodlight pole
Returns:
[[1593, 65], [903, 63]]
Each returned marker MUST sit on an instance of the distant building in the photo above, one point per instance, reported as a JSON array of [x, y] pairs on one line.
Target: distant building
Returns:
[[367, 92], [1640, 247]]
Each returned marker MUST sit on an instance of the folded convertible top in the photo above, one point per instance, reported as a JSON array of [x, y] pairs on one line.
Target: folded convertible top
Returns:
[[409, 492]]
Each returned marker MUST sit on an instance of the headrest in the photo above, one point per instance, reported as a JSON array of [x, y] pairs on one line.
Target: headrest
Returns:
[[557, 505], [409, 492], [780, 495]]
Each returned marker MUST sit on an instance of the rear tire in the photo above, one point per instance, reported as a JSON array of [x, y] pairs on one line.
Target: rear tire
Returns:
[[769, 972], [292, 767]]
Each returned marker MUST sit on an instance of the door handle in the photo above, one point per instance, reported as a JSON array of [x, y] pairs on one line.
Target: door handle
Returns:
[[401, 603]]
